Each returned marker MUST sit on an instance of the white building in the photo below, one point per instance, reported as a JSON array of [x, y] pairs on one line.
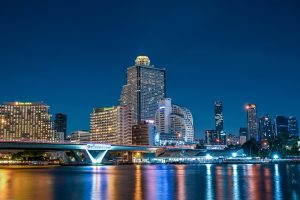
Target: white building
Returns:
[[174, 119]]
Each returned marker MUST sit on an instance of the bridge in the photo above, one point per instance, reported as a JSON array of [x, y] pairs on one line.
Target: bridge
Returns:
[[92, 152]]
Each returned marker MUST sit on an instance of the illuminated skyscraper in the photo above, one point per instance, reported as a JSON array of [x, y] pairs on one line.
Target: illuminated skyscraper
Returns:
[[25, 121], [252, 125], [281, 125], [265, 127], [144, 88], [219, 121]]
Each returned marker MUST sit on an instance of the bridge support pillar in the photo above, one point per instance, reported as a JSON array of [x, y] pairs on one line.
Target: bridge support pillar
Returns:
[[96, 156]]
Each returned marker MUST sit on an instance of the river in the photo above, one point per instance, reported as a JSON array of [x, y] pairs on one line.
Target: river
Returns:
[[139, 182]]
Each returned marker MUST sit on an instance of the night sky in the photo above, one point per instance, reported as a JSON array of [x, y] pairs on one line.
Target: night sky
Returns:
[[73, 55]]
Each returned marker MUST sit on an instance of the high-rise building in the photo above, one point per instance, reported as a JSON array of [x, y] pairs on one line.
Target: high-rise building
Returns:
[[25, 121], [293, 126], [219, 121], [144, 88], [281, 125], [265, 128], [60, 124], [111, 125], [252, 125], [174, 119]]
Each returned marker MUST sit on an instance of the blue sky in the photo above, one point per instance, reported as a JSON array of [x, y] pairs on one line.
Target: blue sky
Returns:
[[73, 55]]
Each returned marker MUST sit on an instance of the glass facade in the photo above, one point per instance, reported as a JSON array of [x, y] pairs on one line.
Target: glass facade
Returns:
[[145, 87], [252, 124]]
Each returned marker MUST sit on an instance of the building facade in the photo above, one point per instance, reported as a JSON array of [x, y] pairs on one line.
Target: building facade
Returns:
[[26, 121], [111, 125], [144, 88], [281, 125], [219, 120], [175, 119], [293, 126], [265, 128], [60, 124], [80, 136], [144, 134], [252, 124]]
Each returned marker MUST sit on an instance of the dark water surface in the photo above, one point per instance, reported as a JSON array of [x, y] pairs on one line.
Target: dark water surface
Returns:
[[272, 181]]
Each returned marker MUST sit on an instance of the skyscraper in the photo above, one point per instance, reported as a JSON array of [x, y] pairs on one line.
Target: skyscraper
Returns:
[[219, 121], [293, 126], [281, 125], [252, 125], [60, 124], [25, 121], [265, 127], [144, 88]]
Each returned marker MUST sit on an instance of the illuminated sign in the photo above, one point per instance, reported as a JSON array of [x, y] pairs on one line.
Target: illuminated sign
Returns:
[[23, 103], [98, 147]]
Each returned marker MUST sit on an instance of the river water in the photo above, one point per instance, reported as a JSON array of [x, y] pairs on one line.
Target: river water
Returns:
[[139, 182]]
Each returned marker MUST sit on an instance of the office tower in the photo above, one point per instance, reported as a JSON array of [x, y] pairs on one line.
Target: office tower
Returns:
[[219, 121], [60, 124], [265, 128], [25, 121], [144, 88], [110, 125], [174, 119], [281, 125], [252, 125], [293, 126], [144, 134]]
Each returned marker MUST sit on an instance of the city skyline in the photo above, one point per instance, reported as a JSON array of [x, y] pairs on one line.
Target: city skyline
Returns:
[[234, 58]]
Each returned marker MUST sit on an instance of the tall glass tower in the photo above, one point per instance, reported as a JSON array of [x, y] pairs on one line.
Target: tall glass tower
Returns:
[[252, 124], [144, 88], [219, 116]]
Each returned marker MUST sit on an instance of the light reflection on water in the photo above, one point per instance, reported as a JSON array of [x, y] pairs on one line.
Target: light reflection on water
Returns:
[[209, 181]]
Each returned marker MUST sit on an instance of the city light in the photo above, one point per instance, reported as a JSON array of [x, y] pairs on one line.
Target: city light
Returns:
[[234, 155], [275, 156], [208, 157]]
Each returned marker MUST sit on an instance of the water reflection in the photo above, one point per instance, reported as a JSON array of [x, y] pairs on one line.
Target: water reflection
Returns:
[[209, 180], [180, 178], [235, 180], [277, 180], [152, 182]]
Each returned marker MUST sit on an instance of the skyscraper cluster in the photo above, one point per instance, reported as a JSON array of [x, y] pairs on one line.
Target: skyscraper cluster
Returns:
[[139, 103], [264, 127]]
